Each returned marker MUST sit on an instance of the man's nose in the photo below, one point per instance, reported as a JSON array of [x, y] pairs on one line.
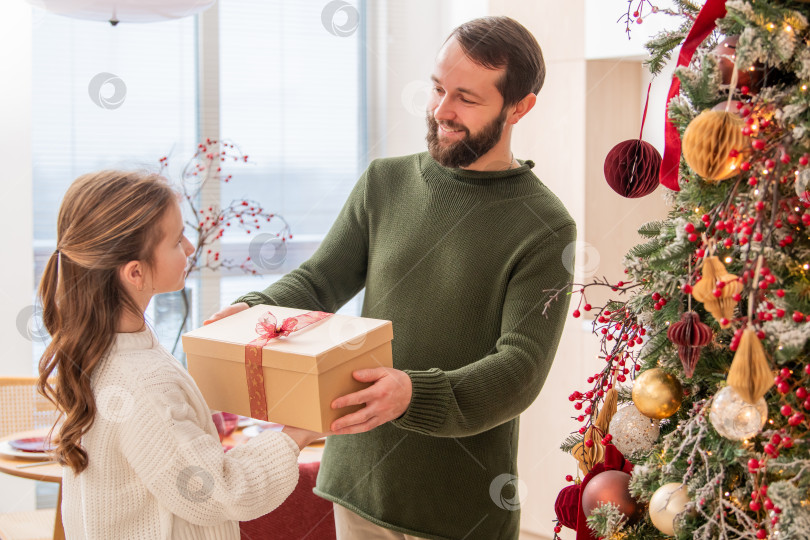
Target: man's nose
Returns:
[[443, 109]]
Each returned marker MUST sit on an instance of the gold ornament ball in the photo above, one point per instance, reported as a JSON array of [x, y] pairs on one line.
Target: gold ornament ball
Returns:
[[657, 394], [708, 141], [667, 502]]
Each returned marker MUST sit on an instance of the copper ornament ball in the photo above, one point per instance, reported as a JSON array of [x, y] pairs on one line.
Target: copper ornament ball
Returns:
[[657, 394], [726, 54], [611, 487], [631, 168]]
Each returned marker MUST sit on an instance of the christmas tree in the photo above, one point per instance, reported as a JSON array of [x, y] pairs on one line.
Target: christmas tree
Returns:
[[698, 425]]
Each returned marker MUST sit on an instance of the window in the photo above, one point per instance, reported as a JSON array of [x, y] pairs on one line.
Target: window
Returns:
[[291, 96]]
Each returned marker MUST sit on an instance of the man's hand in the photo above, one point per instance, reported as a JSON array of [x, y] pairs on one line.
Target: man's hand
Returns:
[[225, 312], [387, 399]]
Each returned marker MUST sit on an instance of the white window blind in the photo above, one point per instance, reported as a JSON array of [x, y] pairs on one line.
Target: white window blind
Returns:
[[292, 97], [107, 97]]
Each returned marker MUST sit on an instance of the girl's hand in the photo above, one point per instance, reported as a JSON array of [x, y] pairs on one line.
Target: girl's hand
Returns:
[[303, 437], [225, 312]]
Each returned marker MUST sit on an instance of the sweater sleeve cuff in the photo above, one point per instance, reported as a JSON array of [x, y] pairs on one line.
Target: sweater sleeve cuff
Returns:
[[430, 397], [253, 299]]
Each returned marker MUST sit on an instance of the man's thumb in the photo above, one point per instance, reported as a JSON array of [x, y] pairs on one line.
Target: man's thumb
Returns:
[[368, 375]]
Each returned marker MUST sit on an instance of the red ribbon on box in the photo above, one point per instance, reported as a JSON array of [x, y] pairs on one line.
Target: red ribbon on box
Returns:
[[267, 330], [704, 24]]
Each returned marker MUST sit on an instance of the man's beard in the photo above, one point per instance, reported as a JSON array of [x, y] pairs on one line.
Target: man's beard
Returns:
[[467, 150]]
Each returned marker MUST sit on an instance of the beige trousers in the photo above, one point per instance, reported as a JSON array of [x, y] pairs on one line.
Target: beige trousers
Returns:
[[350, 526]]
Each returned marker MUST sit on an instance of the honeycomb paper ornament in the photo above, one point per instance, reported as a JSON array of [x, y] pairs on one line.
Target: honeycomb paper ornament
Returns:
[[708, 143], [631, 168], [632, 431], [590, 456], [721, 307], [690, 335], [750, 374]]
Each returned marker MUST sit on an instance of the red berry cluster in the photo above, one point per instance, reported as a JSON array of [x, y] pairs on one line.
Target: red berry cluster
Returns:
[[794, 395], [637, 13], [211, 223], [760, 502], [660, 301]]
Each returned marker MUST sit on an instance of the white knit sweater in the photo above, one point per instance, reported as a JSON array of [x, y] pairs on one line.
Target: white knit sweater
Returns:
[[156, 467]]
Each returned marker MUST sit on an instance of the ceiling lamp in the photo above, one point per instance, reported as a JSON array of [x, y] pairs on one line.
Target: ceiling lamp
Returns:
[[127, 11]]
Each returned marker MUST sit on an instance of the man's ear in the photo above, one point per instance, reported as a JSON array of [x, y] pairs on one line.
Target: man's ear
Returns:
[[132, 273], [522, 107]]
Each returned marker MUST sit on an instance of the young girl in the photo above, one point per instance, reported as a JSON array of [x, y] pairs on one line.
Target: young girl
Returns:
[[141, 454]]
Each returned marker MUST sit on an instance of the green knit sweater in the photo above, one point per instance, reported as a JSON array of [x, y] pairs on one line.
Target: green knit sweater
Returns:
[[460, 261]]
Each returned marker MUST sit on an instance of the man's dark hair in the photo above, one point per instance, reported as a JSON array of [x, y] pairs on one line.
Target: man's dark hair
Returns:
[[502, 42]]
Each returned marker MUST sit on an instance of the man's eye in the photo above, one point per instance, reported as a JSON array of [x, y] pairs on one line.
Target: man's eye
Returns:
[[465, 100]]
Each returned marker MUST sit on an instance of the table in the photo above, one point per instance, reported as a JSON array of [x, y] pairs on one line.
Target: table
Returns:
[[44, 473]]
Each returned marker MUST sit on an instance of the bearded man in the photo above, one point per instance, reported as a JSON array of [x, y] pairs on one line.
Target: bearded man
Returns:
[[457, 247]]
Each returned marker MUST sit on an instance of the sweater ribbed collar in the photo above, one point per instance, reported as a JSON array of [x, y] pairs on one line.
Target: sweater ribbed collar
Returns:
[[431, 170], [131, 341]]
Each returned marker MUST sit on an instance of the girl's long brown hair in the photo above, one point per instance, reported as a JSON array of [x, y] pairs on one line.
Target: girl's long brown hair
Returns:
[[106, 220]]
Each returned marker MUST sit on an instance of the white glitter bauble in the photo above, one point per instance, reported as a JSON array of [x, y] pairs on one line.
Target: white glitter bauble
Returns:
[[632, 431], [734, 418]]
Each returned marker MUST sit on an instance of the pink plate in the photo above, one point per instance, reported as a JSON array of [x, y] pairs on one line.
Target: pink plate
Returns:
[[32, 444]]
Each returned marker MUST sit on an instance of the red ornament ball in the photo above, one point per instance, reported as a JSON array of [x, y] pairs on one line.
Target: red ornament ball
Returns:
[[611, 487], [631, 168]]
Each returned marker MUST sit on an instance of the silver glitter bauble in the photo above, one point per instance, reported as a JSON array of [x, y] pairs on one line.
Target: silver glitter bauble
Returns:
[[734, 418], [632, 431]]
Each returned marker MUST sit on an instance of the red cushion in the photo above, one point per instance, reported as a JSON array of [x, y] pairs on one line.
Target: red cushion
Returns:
[[303, 515]]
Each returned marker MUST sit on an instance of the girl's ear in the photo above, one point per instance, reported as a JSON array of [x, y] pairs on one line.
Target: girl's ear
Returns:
[[132, 273]]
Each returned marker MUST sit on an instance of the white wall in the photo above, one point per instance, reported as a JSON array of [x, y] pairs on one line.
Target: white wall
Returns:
[[17, 268], [16, 272], [605, 35]]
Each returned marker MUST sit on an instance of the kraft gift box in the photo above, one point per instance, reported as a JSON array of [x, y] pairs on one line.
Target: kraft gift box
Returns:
[[302, 372]]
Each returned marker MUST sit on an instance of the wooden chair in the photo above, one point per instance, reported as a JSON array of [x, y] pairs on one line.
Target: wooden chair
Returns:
[[22, 408]]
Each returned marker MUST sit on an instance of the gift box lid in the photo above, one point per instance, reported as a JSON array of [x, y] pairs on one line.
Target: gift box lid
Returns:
[[314, 349]]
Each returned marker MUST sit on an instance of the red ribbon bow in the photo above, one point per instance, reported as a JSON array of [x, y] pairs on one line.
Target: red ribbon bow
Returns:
[[704, 24], [268, 329]]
